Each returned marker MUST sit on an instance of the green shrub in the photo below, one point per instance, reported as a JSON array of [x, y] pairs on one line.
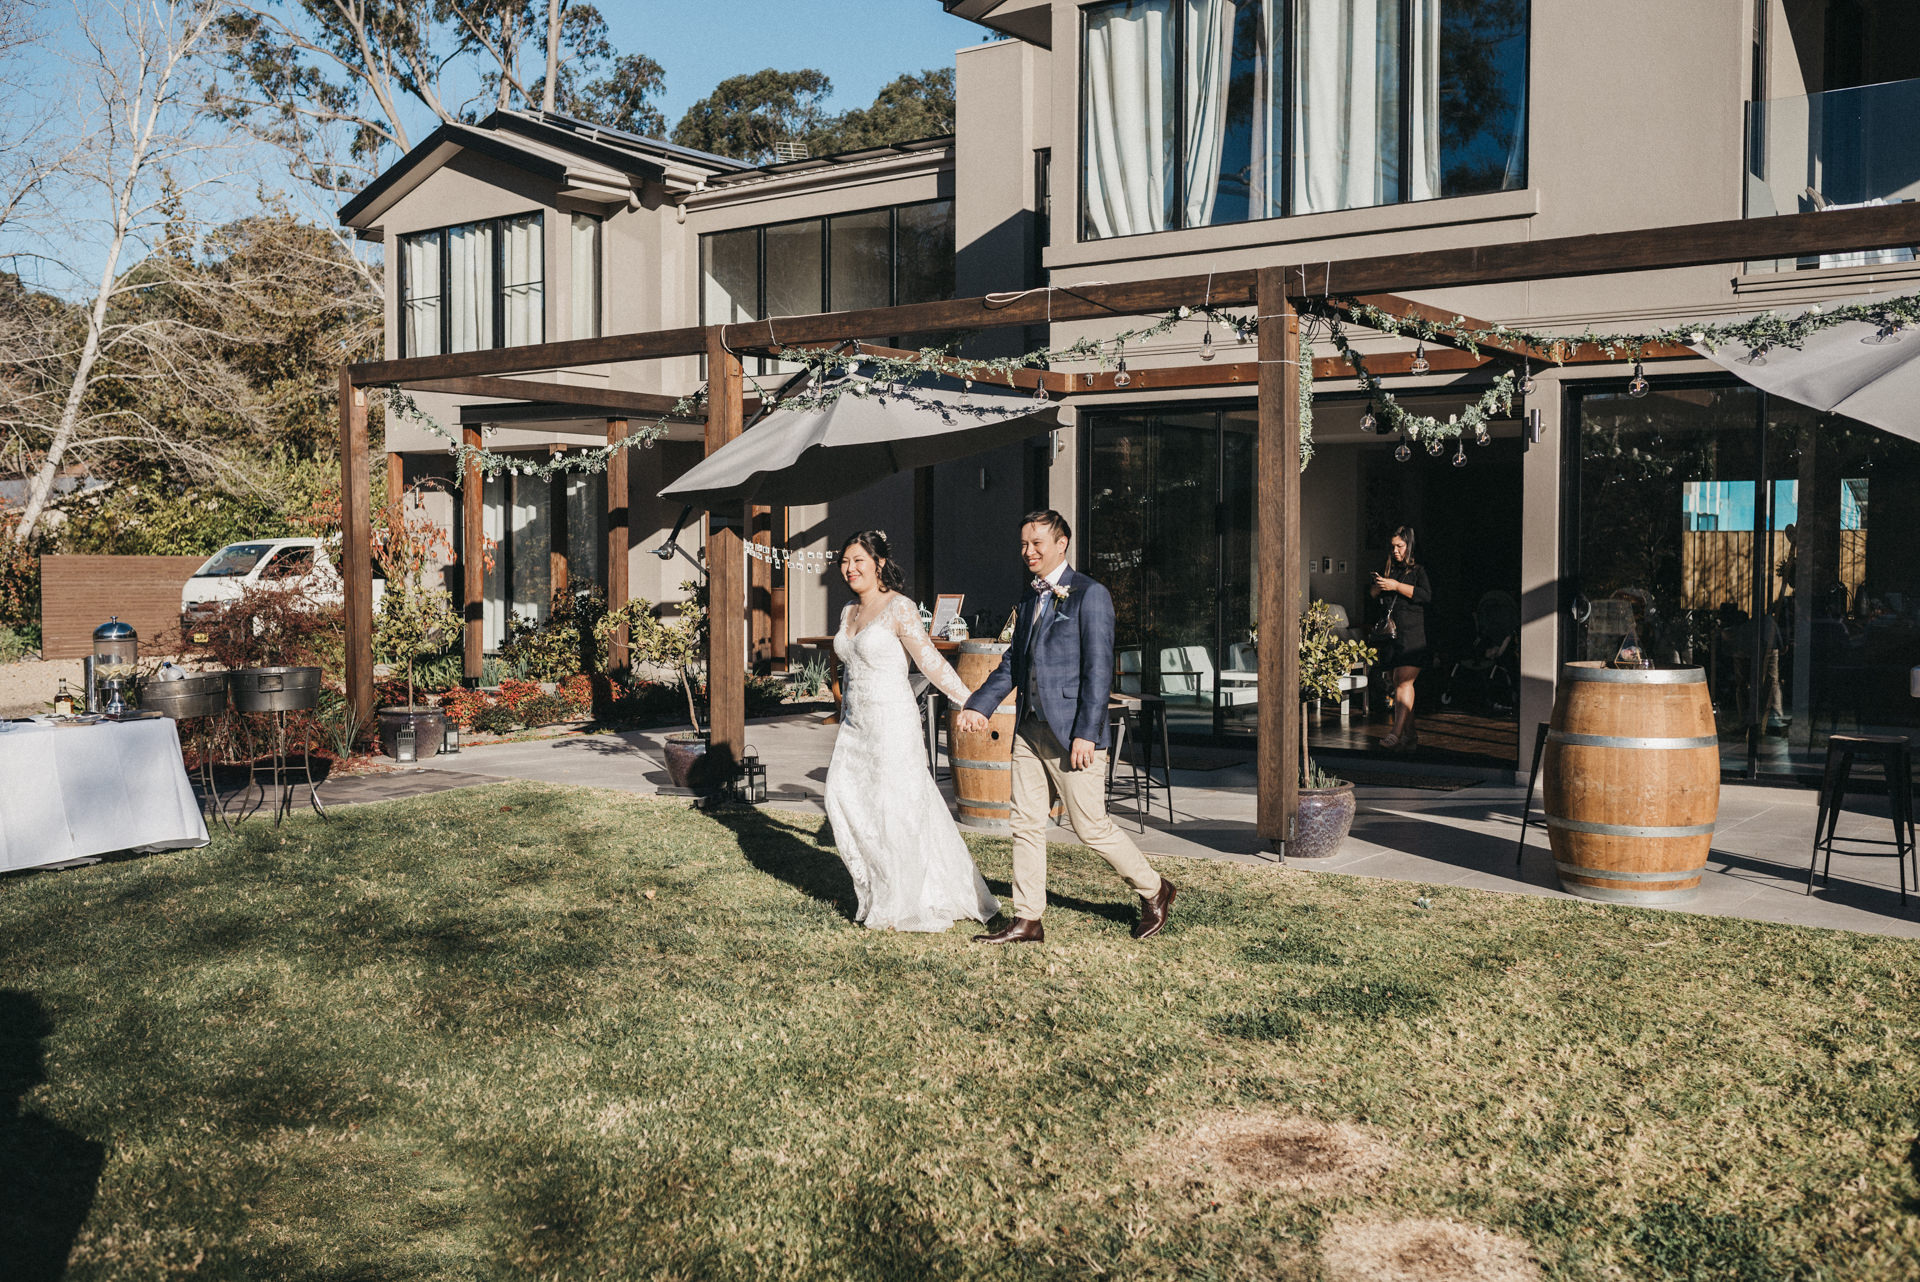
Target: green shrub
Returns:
[[496, 720], [545, 709], [18, 642], [765, 695]]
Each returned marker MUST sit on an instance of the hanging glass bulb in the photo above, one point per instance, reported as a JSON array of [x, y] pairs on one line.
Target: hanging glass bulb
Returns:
[[1367, 420], [1206, 342], [1420, 365], [1528, 383], [1120, 376], [1480, 434], [1040, 392], [1460, 453], [1638, 386], [1435, 446], [1401, 453]]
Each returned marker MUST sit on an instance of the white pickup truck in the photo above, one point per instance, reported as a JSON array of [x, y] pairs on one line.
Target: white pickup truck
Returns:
[[296, 564]]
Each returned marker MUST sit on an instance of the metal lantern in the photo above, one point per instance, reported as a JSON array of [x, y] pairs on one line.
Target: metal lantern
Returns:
[[753, 778], [450, 740], [404, 743], [115, 643]]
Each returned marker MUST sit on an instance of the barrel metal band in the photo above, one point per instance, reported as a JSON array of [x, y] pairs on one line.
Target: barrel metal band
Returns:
[[962, 763], [1574, 740], [1609, 874], [968, 804], [1629, 830], [1636, 676]]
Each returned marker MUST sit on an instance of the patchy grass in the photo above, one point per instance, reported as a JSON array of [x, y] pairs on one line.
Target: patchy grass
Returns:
[[527, 1030]]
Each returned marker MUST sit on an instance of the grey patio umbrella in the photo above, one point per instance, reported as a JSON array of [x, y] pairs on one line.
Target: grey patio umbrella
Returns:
[[1850, 369], [798, 456]]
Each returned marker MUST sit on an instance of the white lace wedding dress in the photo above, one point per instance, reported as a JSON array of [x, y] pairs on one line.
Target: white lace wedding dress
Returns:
[[891, 825]]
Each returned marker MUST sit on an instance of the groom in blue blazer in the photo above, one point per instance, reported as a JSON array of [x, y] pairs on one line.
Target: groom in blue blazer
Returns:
[[1060, 671]]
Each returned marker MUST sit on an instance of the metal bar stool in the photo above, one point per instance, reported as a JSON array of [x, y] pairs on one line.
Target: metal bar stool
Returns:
[[1891, 754], [1533, 781], [1145, 720]]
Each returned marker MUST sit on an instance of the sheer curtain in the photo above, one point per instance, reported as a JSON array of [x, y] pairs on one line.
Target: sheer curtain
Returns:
[[420, 276], [1346, 133], [1209, 70], [1130, 125], [523, 285], [493, 591], [470, 264], [1424, 182]]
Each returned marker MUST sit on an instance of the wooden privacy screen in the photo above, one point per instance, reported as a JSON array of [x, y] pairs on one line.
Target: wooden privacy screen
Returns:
[[79, 593]]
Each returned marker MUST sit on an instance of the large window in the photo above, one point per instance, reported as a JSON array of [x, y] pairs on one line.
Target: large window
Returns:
[[474, 286], [873, 258], [1201, 112]]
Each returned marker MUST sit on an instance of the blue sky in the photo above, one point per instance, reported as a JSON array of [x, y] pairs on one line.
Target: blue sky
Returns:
[[860, 44]]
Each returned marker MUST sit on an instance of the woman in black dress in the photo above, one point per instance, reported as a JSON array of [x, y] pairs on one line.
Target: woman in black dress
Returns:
[[1405, 587]]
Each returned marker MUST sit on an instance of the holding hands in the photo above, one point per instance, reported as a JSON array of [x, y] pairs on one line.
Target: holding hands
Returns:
[[970, 721]]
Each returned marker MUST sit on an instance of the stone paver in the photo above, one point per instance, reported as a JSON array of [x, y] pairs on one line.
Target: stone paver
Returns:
[[1465, 838]]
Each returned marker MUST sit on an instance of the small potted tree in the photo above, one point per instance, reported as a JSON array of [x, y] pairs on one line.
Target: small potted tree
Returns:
[[415, 620], [1326, 803], [674, 644]]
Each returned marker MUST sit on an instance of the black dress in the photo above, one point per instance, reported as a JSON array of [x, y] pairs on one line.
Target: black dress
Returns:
[[1409, 649]]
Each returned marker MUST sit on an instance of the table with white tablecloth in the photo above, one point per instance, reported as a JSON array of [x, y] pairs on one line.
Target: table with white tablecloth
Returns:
[[69, 792]]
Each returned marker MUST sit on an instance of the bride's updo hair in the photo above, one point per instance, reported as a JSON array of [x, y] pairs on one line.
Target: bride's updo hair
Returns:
[[892, 577]]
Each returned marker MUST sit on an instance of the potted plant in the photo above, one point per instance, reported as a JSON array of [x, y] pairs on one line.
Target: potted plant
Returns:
[[1326, 803], [415, 620], [675, 644]]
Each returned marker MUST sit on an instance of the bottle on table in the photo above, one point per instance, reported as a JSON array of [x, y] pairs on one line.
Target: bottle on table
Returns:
[[63, 701], [170, 673]]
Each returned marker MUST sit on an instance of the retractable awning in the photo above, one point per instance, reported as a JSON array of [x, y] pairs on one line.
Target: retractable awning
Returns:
[[799, 456], [1852, 369]]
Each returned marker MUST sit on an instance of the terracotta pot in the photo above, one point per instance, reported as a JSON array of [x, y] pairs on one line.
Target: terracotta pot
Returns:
[[686, 755], [429, 730], [1326, 815]]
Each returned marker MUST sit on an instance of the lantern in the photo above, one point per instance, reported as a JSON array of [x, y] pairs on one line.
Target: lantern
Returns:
[[450, 741], [753, 778], [404, 743]]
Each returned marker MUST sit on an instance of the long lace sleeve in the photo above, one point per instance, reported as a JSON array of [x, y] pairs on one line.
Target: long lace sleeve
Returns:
[[925, 655]]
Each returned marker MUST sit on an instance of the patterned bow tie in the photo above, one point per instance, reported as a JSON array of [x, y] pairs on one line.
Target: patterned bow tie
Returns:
[[1041, 586]]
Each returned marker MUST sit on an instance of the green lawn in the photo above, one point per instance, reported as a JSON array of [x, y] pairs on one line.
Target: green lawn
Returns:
[[534, 1031]]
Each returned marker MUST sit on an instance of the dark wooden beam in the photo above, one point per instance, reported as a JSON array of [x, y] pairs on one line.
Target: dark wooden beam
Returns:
[[473, 563], [396, 479], [597, 399], [1602, 253], [1555, 353], [557, 527], [356, 545], [619, 550], [1277, 496], [726, 585], [1020, 379], [760, 640]]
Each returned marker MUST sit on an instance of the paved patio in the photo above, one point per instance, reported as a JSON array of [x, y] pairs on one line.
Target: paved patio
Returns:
[[1459, 838]]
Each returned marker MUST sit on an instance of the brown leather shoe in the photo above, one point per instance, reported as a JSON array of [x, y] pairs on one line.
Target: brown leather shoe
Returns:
[[1153, 912], [1022, 930]]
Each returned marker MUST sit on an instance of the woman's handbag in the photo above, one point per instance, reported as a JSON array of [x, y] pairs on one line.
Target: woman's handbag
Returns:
[[1386, 631]]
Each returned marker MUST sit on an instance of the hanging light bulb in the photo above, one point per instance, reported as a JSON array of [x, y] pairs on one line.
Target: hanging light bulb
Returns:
[[1435, 446], [1120, 376], [1528, 383], [1368, 422], [1420, 365], [1638, 386], [1460, 453], [1480, 434], [1401, 453], [1206, 342], [1040, 392]]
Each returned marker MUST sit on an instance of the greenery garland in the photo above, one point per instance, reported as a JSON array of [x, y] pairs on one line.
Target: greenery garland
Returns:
[[833, 372]]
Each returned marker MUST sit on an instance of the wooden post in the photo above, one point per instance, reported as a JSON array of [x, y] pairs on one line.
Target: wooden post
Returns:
[[617, 538], [473, 561], [760, 589], [396, 479], [1277, 499], [557, 527], [726, 580], [356, 543]]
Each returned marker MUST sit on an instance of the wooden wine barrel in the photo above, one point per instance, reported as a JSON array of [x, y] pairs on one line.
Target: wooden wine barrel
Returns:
[[982, 759], [1631, 782]]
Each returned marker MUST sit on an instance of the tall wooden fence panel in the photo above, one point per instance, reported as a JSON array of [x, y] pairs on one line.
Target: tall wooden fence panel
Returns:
[[79, 593]]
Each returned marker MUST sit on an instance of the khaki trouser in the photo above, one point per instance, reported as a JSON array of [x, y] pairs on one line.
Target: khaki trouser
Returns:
[[1039, 760]]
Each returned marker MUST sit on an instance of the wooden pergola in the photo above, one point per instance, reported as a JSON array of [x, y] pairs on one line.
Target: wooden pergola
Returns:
[[1279, 294]]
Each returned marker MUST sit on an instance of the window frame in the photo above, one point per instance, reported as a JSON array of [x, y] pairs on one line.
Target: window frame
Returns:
[[497, 310], [1287, 70]]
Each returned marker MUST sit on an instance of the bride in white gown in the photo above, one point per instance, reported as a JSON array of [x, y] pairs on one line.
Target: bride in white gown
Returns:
[[890, 823]]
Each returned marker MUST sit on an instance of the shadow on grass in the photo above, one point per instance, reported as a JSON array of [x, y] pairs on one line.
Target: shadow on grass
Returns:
[[782, 853], [48, 1174]]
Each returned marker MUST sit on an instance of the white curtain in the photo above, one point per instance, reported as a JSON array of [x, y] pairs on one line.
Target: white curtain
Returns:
[[470, 264], [1267, 160], [1424, 182], [493, 526], [1130, 76], [420, 270], [523, 284], [586, 277], [1346, 109], [532, 547], [1209, 59]]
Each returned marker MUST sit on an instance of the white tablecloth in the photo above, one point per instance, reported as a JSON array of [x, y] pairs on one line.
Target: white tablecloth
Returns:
[[67, 792]]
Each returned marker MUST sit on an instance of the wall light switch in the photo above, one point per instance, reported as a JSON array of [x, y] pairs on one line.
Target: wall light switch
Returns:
[[1343, 567]]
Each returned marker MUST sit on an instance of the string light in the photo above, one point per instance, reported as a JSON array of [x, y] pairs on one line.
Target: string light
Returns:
[[1460, 453], [1401, 453], [1367, 420], [1528, 383], [1435, 446], [1420, 365], [1638, 386], [1481, 436], [1120, 376]]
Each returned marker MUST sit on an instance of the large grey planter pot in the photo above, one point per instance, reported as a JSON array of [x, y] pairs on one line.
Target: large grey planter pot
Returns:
[[686, 756], [429, 730], [1324, 819]]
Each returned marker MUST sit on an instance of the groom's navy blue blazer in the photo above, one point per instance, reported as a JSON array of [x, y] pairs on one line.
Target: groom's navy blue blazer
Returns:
[[1070, 662]]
